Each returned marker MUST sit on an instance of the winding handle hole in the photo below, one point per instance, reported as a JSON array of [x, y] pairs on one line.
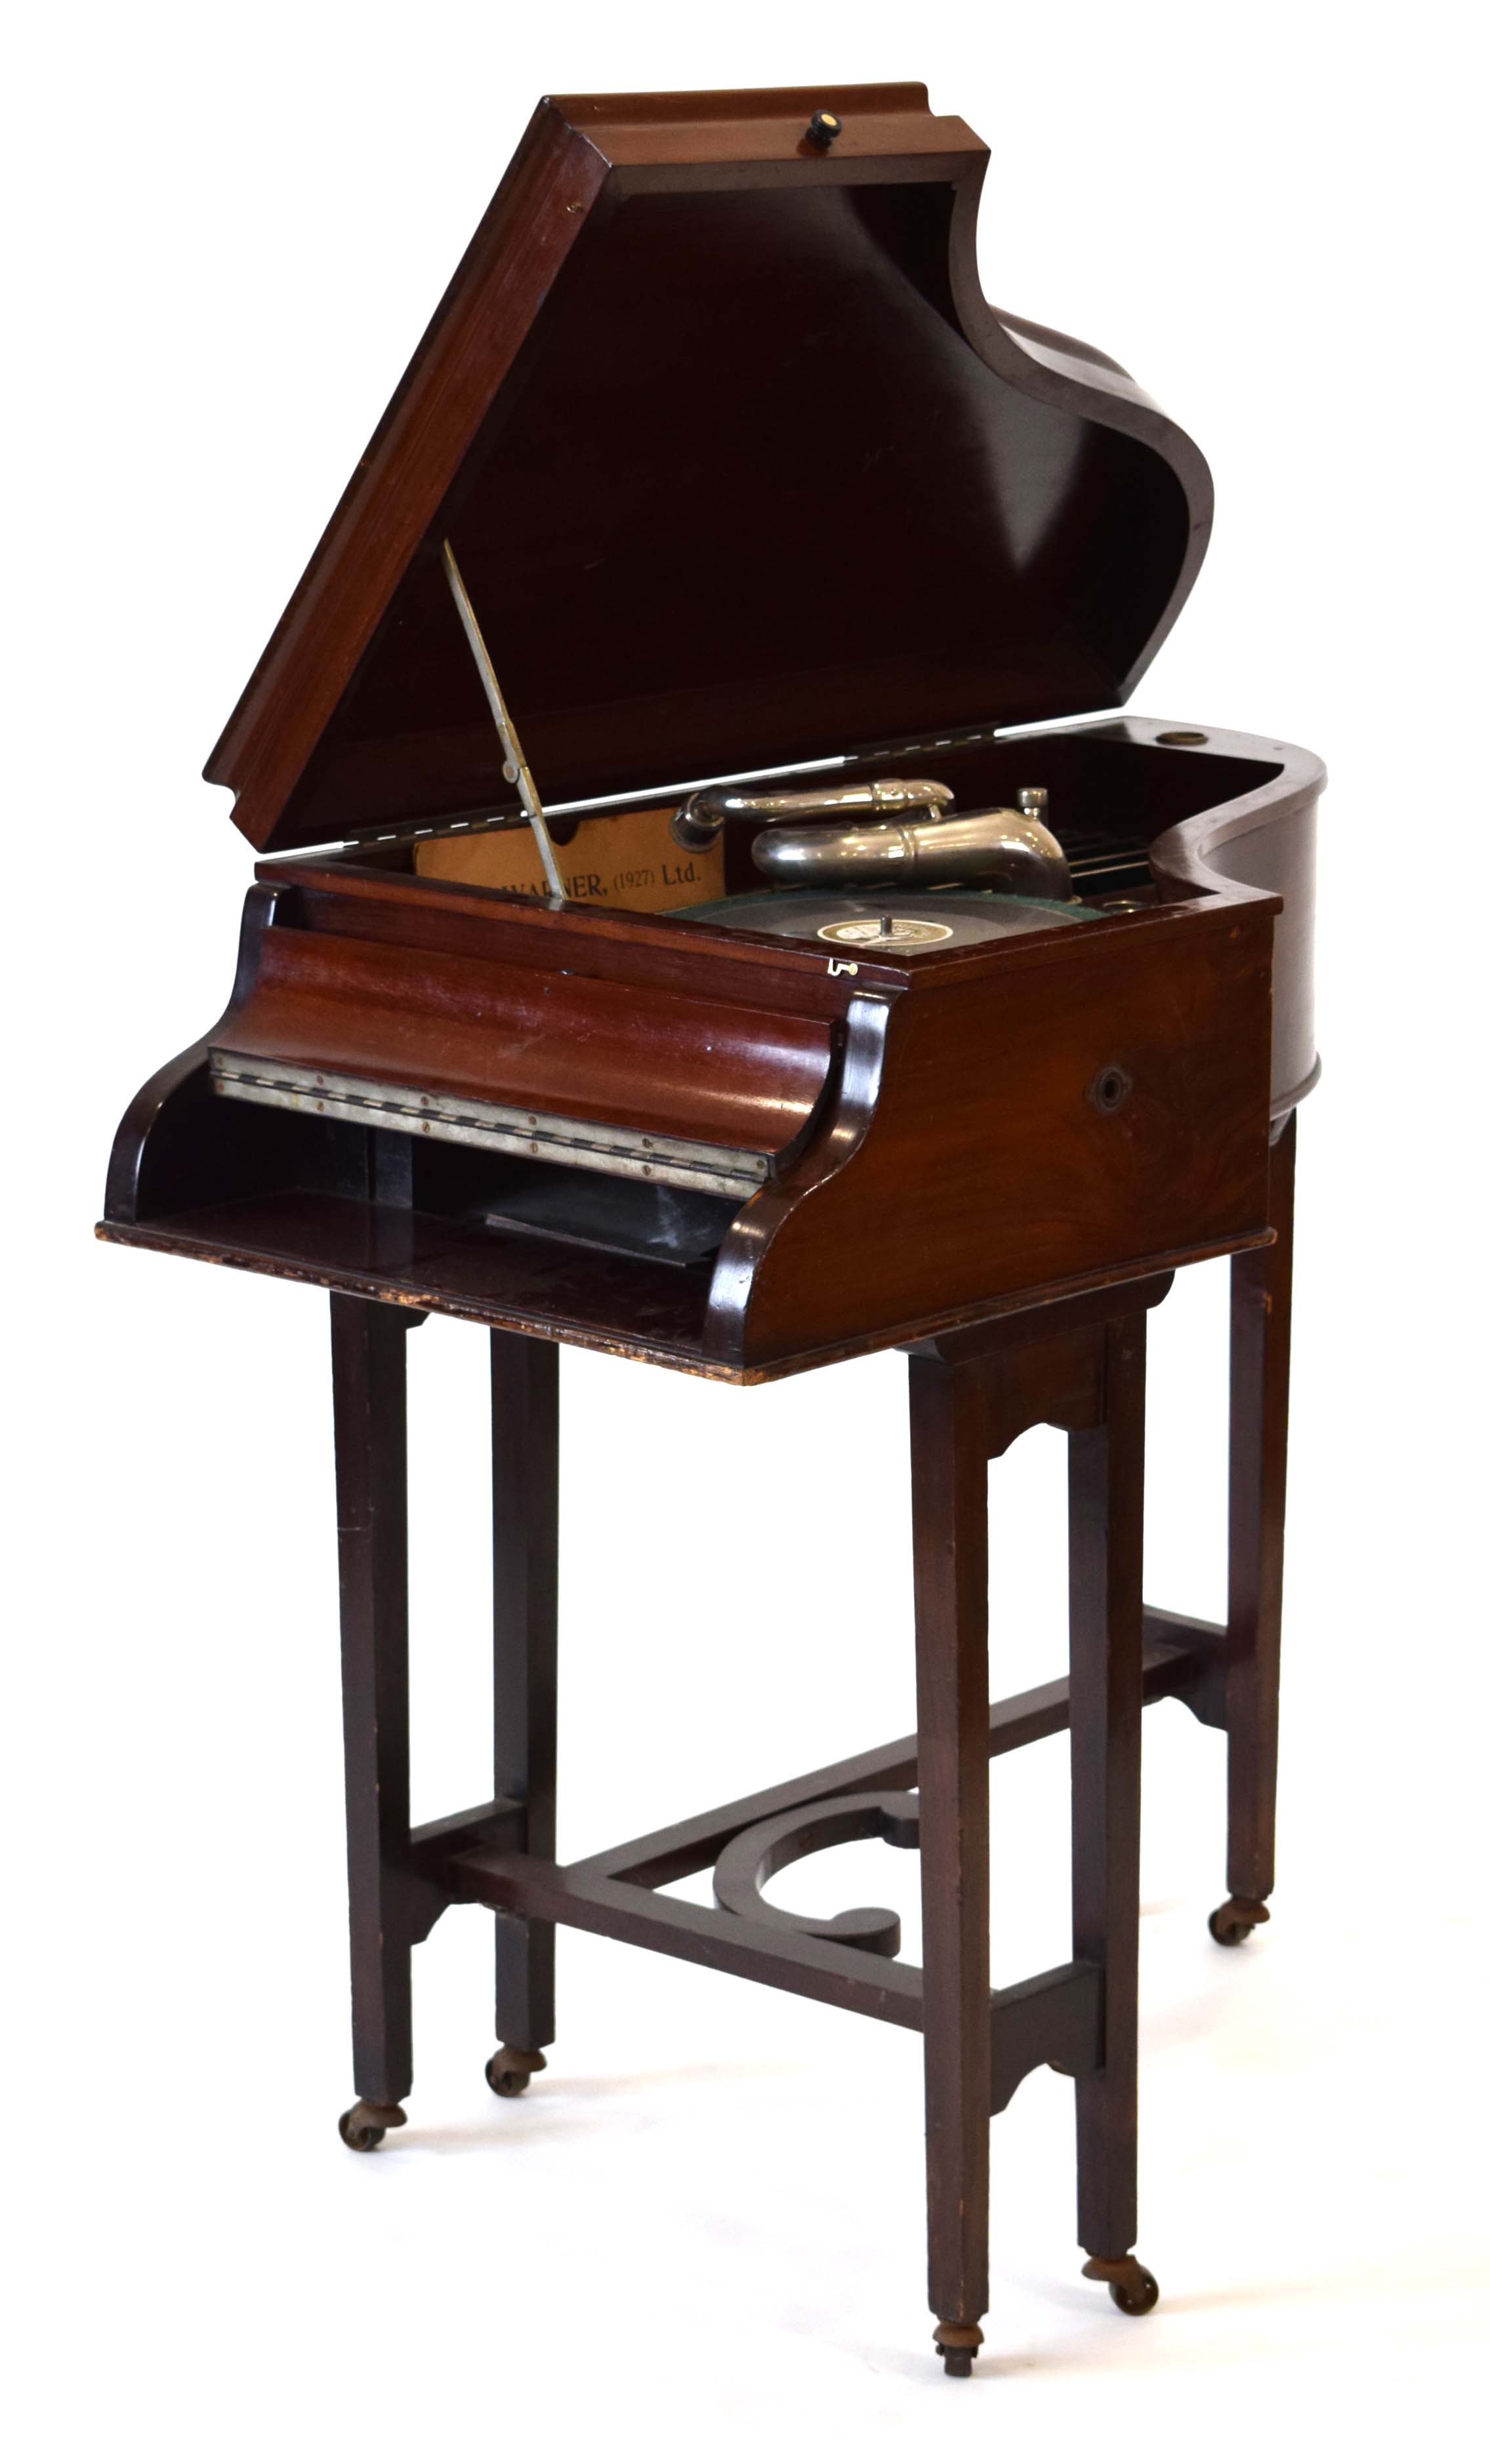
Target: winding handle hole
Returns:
[[1110, 1088]]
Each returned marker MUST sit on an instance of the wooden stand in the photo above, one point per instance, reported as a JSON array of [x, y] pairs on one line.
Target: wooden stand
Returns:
[[1078, 1365]]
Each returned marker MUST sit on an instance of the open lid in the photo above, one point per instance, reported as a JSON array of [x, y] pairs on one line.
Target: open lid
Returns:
[[740, 469]]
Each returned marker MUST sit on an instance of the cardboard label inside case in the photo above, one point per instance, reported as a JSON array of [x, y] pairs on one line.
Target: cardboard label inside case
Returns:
[[613, 859]]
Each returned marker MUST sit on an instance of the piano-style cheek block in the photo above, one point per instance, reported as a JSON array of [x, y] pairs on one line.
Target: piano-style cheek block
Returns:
[[716, 482]]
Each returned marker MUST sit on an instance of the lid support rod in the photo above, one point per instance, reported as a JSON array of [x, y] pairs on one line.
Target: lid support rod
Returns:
[[514, 768]]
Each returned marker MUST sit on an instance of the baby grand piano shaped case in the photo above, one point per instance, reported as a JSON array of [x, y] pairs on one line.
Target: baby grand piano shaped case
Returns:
[[715, 450]]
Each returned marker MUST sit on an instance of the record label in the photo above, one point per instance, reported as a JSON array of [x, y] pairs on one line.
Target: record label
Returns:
[[886, 932]]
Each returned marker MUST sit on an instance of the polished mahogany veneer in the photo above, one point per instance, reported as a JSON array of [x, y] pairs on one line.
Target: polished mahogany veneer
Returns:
[[743, 473], [978, 1072], [742, 470]]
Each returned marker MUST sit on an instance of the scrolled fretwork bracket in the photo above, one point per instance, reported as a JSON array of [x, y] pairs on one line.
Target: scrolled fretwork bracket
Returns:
[[1053, 2019], [751, 1858]]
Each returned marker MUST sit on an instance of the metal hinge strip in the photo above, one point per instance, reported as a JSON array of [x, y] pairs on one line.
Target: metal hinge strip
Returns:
[[677, 1163]]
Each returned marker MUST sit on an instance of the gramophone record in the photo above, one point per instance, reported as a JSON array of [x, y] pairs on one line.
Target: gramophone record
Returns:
[[888, 926]]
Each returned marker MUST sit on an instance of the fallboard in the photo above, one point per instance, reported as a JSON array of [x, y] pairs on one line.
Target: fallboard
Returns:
[[522, 1060]]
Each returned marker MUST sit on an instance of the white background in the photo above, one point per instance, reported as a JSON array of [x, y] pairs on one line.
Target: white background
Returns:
[[702, 2232]]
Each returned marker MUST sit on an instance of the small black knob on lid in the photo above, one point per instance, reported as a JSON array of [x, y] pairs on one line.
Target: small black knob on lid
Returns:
[[821, 129]]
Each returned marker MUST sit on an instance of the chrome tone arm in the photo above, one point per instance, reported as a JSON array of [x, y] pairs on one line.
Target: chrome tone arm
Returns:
[[698, 823], [1001, 850]]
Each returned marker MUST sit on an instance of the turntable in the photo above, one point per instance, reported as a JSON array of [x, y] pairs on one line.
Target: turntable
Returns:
[[863, 927]]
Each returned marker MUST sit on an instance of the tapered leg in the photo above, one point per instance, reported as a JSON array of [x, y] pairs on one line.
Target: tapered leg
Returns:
[[367, 1339], [525, 1543], [949, 1474], [1261, 1301], [1105, 1477]]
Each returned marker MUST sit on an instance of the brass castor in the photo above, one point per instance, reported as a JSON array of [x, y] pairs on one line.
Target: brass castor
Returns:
[[1232, 1922], [1128, 2281], [510, 2069], [362, 2125], [956, 2346]]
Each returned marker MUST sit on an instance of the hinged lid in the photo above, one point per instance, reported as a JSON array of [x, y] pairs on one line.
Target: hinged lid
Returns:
[[740, 469]]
